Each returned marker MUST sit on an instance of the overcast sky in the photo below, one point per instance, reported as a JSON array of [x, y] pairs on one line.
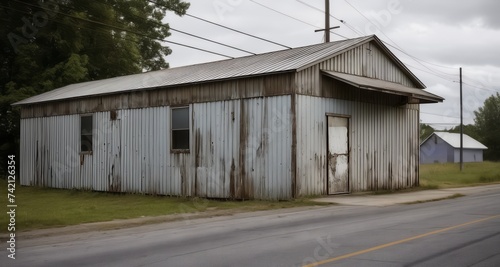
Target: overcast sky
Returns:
[[444, 35]]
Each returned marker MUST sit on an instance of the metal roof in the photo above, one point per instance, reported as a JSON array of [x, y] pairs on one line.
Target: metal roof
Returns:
[[267, 63], [453, 139], [383, 86]]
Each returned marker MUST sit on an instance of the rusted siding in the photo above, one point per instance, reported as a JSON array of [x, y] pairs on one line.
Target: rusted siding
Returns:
[[238, 149], [243, 148], [364, 60], [271, 85], [384, 144]]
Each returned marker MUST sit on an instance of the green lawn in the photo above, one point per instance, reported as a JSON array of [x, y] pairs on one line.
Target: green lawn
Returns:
[[44, 208], [449, 174]]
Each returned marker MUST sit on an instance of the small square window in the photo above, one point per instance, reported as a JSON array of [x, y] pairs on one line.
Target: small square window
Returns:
[[86, 133], [180, 128]]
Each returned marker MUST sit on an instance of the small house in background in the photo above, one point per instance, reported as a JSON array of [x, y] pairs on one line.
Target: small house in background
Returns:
[[321, 119], [442, 147]]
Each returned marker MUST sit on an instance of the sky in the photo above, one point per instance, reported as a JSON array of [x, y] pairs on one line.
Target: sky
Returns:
[[436, 37]]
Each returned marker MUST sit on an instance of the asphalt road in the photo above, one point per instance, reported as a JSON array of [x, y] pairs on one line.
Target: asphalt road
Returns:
[[456, 232]]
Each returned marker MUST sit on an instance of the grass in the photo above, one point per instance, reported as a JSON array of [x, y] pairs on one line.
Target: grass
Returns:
[[434, 176], [39, 208]]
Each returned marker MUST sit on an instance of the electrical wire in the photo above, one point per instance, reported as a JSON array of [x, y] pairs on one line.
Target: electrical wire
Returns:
[[371, 22], [441, 115], [286, 15], [122, 29], [212, 41], [339, 20], [238, 31], [186, 33], [481, 88]]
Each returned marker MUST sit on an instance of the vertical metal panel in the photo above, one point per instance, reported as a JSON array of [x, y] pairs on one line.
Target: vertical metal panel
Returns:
[[243, 148], [383, 145], [131, 153], [365, 60]]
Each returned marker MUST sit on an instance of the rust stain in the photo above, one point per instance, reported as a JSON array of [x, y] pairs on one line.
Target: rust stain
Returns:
[[197, 155], [232, 177], [114, 180], [183, 179], [240, 185]]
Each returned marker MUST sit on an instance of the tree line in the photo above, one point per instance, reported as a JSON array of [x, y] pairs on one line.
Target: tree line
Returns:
[[486, 127], [48, 44]]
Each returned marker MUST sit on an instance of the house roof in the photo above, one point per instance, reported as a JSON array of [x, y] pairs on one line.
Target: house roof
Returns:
[[383, 86], [453, 139], [281, 61]]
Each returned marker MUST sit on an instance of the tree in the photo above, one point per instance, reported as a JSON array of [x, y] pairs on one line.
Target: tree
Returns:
[[425, 131], [488, 126], [48, 44], [469, 129]]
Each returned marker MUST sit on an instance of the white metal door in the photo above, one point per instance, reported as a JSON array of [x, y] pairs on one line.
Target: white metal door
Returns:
[[338, 155]]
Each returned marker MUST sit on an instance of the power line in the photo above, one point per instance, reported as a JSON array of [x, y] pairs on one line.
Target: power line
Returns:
[[430, 72], [339, 20], [441, 115], [212, 41], [371, 22], [417, 59], [238, 31], [228, 28], [186, 33], [399, 48], [122, 29], [286, 15], [480, 88]]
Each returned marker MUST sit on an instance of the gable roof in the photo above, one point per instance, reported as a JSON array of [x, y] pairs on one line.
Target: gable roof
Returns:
[[281, 61], [453, 139]]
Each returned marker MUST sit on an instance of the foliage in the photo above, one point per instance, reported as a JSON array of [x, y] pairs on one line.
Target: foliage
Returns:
[[52, 43], [488, 126], [469, 129], [425, 131]]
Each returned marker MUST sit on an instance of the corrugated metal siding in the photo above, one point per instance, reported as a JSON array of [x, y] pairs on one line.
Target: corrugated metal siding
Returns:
[[243, 148], [271, 85], [238, 149], [384, 144], [364, 60], [216, 132]]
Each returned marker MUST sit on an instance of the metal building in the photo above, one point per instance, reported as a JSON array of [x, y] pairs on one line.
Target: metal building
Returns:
[[442, 147], [322, 119]]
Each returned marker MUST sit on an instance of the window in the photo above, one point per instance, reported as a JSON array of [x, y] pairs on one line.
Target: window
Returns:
[[180, 128], [86, 133]]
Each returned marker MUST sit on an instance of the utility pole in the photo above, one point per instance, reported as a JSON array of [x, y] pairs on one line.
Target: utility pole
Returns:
[[327, 21], [461, 126]]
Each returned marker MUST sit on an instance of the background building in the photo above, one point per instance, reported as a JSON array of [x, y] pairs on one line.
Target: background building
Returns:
[[442, 147]]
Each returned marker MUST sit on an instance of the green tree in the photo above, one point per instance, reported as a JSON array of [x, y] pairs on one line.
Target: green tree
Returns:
[[488, 126], [48, 44], [425, 131], [469, 129]]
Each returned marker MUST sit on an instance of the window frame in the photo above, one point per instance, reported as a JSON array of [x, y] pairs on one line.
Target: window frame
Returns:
[[180, 150], [91, 134]]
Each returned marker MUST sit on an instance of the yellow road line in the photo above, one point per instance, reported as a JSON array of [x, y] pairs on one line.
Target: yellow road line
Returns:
[[397, 242]]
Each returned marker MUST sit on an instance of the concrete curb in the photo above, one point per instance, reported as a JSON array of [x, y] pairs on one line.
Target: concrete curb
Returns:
[[404, 198]]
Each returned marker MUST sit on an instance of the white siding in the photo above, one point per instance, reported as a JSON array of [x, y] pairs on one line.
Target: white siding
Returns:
[[384, 144]]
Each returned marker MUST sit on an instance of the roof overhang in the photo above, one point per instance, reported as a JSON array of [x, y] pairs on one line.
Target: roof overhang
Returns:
[[371, 84]]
